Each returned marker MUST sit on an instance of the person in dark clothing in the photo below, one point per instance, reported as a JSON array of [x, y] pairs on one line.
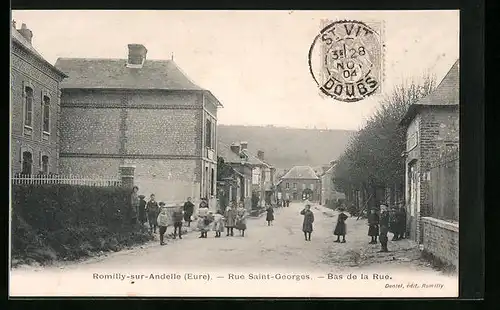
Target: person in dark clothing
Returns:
[[400, 224], [307, 225], [152, 209], [163, 221], [393, 225], [269, 215], [384, 228], [142, 210], [188, 211], [177, 219], [373, 228], [134, 203], [340, 228], [288, 202]]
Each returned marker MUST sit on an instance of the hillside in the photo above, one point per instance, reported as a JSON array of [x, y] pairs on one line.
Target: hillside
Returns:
[[288, 147]]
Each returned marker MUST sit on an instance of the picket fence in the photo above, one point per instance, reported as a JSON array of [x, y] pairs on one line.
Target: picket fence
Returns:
[[29, 179]]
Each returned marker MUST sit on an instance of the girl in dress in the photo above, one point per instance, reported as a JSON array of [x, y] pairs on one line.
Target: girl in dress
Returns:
[[203, 218], [163, 221], [230, 217], [307, 225], [218, 223], [241, 219], [340, 229]]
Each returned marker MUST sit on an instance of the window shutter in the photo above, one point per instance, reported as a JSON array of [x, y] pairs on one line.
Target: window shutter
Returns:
[[40, 159]]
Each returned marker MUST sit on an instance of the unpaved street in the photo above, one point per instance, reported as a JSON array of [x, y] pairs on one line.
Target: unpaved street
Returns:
[[278, 247]]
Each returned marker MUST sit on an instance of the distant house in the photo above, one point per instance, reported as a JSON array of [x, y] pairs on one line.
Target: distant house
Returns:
[[432, 130], [34, 107], [143, 113], [329, 193], [238, 186], [300, 182], [262, 175]]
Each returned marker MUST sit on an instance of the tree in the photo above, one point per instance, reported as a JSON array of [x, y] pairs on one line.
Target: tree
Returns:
[[373, 156], [223, 170]]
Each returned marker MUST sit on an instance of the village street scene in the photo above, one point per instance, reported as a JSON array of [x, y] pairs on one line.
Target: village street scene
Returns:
[[140, 145]]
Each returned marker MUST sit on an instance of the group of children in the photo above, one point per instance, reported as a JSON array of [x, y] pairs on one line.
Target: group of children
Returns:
[[379, 224], [233, 217]]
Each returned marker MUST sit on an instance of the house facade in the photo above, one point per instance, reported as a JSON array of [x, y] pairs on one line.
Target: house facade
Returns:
[[142, 113], [329, 193], [239, 186], [34, 107], [300, 182], [432, 130]]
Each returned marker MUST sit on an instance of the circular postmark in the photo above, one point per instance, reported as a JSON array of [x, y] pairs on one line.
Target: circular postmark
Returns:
[[348, 62]]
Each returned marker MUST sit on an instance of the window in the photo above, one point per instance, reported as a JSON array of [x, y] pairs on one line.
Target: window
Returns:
[[45, 164], [206, 182], [46, 114], [208, 134], [212, 183], [28, 106], [294, 185], [304, 186], [287, 185], [312, 186], [27, 162]]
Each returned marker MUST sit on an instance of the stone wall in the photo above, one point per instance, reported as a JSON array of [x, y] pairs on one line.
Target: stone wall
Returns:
[[440, 238]]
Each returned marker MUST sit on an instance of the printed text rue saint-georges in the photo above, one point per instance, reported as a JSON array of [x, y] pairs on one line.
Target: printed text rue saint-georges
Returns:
[[189, 276]]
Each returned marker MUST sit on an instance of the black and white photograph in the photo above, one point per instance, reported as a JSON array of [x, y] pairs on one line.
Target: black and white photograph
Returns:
[[317, 152]]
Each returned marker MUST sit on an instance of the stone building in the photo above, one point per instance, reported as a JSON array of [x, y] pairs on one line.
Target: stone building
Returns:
[[34, 107], [329, 193], [300, 182], [432, 130], [143, 113]]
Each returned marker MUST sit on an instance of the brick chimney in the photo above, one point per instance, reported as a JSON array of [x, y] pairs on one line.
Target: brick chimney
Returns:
[[26, 33], [260, 155], [235, 148], [136, 55], [243, 145]]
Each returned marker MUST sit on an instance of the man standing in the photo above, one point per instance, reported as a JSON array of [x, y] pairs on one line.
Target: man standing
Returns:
[[384, 228]]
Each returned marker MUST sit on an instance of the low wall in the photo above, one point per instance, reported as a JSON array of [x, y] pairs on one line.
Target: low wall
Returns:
[[440, 238]]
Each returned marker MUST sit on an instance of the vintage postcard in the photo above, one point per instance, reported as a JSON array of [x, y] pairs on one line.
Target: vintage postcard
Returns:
[[234, 153]]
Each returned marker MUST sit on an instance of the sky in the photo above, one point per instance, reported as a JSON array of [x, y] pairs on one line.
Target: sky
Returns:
[[254, 62]]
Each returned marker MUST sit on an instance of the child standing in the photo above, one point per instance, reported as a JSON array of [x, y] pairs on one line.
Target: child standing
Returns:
[[218, 223], [230, 219], [152, 209], [203, 218], [270, 215], [163, 221], [373, 230], [177, 219], [384, 228], [340, 228], [307, 225], [241, 219]]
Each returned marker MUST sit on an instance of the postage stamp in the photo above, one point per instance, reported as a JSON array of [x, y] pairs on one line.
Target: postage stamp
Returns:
[[350, 64]]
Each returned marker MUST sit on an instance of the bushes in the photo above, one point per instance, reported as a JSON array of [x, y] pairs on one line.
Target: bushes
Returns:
[[67, 221]]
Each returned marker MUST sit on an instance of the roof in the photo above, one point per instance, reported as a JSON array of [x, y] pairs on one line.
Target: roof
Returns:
[[301, 172], [224, 151], [99, 73], [254, 160], [446, 94], [23, 43]]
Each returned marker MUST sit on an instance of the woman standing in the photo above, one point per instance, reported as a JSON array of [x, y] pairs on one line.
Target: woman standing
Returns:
[[188, 211], [340, 228], [203, 218], [152, 209], [270, 215], [134, 204], [307, 225], [230, 219], [241, 219]]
